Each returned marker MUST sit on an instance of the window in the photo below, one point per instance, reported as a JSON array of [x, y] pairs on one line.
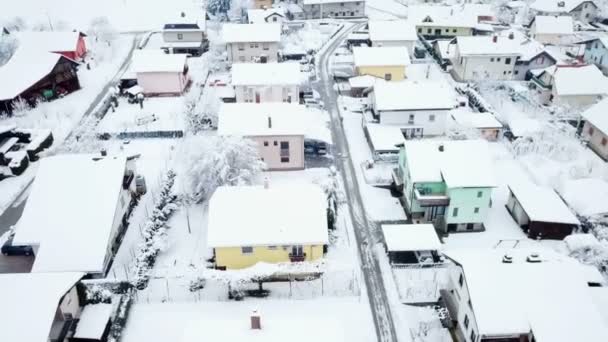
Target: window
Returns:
[[429, 31], [284, 152], [352, 14], [473, 337], [590, 130], [284, 159], [454, 30], [241, 46], [508, 60], [541, 60], [504, 72], [388, 77], [246, 250], [180, 36], [466, 322], [470, 226], [476, 210], [447, 30], [272, 248], [461, 60], [461, 280], [498, 59], [274, 19], [265, 143], [266, 46], [455, 212], [604, 141], [342, 4], [419, 30], [516, 72], [479, 194], [492, 59], [410, 120], [432, 117], [275, 143]]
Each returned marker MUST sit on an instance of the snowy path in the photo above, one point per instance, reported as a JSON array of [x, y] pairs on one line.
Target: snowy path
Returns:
[[381, 312]]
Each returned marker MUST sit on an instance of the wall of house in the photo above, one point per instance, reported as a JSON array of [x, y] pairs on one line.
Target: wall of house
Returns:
[[597, 140], [70, 304], [428, 29], [172, 36], [161, 83], [81, 48], [550, 38], [549, 230], [336, 10], [278, 93], [460, 294], [517, 211], [585, 12], [397, 73], [490, 134], [466, 200], [409, 44], [432, 122], [538, 62], [472, 68], [596, 53], [574, 101], [262, 4], [269, 148], [251, 52], [233, 257]]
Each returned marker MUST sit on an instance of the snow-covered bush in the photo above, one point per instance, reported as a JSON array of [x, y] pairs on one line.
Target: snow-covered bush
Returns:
[[101, 29], [331, 187], [218, 7], [212, 161], [8, 45], [20, 107]]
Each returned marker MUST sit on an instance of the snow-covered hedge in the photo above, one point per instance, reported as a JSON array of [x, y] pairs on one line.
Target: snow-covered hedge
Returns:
[[155, 232]]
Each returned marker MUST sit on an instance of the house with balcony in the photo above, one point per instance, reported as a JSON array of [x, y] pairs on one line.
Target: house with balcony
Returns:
[[275, 224], [447, 183], [269, 82], [82, 231], [575, 86], [518, 294], [40, 307], [584, 11], [482, 58], [596, 52], [252, 43], [317, 9], [595, 129], [388, 63], [185, 35], [418, 108]]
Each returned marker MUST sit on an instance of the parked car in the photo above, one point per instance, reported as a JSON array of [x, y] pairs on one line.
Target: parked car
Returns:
[[9, 249]]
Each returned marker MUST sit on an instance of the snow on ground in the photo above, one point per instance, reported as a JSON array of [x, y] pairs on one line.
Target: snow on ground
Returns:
[[420, 285], [386, 9], [329, 319], [310, 37]]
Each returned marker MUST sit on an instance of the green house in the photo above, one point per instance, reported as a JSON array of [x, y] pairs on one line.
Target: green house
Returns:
[[448, 183]]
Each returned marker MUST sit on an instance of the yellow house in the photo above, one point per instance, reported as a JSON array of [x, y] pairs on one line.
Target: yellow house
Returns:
[[388, 63], [273, 224], [260, 4]]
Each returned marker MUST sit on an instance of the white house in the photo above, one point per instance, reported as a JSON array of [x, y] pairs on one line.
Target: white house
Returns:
[[581, 10], [433, 21], [596, 52], [270, 82], [420, 108], [252, 42], [393, 33], [43, 306], [185, 34], [159, 73], [533, 56], [278, 129], [317, 9], [519, 295], [552, 29], [388, 63], [484, 58], [78, 233], [595, 130], [577, 86]]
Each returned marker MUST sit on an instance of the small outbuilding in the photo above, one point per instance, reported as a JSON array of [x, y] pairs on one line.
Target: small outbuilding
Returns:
[[383, 139], [411, 243], [540, 211], [161, 74]]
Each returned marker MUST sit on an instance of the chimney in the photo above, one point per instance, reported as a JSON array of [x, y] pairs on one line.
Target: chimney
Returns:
[[256, 321], [511, 35], [183, 14], [507, 259], [269, 122], [441, 148], [494, 39], [104, 153]]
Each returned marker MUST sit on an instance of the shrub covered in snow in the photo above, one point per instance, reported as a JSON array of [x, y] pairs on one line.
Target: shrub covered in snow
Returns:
[[8, 45], [210, 162]]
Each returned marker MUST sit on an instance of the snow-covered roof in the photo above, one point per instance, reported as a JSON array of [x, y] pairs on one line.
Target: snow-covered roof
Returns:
[[277, 215], [410, 237], [384, 137], [553, 6], [259, 15], [503, 304], [187, 22], [74, 232], [244, 33], [521, 127], [587, 196], [413, 95], [271, 119], [24, 69], [30, 302], [51, 41], [461, 164], [578, 80], [392, 30], [453, 16], [93, 321], [486, 46], [364, 81], [528, 47], [542, 204], [549, 24], [316, 2], [157, 61], [476, 120], [287, 73], [381, 56], [597, 115]]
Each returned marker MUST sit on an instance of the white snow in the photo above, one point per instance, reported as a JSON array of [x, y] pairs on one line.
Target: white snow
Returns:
[[33, 299], [476, 120], [266, 74], [381, 56], [384, 138], [93, 320], [522, 127], [545, 24], [552, 6], [51, 41], [503, 304], [365, 81], [413, 95], [581, 241], [244, 33], [392, 30], [542, 204], [70, 212], [259, 15], [485, 45], [157, 61], [578, 80], [587, 196], [254, 215], [316, 2], [596, 115], [410, 237]]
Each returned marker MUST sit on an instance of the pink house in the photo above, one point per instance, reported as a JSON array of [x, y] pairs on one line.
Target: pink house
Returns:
[[161, 74], [70, 44]]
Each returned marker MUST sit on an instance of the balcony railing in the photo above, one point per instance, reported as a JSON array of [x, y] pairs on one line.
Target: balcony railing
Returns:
[[297, 257], [432, 199]]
